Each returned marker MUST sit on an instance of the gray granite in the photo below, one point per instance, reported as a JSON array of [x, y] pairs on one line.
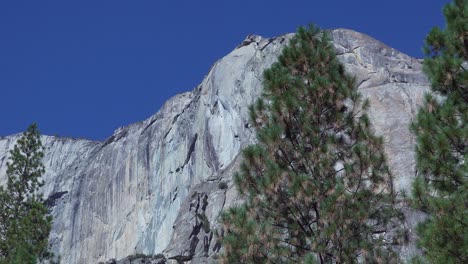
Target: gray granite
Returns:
[[156, 186]]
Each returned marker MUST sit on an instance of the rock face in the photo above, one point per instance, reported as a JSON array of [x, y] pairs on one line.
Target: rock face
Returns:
[[160, 185]]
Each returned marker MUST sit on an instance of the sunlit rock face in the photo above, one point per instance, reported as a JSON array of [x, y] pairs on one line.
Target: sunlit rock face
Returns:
[[160, 185]]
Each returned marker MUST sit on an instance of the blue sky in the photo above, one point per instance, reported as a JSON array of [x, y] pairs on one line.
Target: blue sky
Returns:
[[84, 68]]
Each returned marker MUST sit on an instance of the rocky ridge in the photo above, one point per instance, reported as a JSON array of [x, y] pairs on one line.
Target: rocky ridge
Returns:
[[160, 185]]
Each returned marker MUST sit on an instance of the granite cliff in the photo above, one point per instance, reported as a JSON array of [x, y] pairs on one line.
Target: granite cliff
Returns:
[[158, 186]]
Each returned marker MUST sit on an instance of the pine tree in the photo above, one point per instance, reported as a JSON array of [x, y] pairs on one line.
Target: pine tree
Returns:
[[317, 186], [24, 220], [441, 127]]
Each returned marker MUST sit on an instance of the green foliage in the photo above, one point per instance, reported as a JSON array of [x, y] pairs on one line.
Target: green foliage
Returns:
[[144, 257], [317, 186], [24, 220], [138, 256], [442, 137]]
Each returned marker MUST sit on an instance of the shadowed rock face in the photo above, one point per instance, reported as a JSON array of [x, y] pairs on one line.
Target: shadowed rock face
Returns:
[[158, 185]]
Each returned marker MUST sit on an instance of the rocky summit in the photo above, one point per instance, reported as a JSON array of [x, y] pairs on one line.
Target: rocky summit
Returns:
[[155, 189]]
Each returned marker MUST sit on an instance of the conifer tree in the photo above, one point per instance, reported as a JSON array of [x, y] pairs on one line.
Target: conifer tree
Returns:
[[24, 220], [317, 186], [441, 127]]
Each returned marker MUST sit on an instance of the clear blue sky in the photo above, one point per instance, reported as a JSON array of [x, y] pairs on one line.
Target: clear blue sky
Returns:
[[84, 68]]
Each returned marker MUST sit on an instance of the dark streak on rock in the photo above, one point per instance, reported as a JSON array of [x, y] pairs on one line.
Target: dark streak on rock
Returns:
[[148, 126], [205, 202], [176, 117], [175, 195], [217, 246], [223, 105], [147, 154], [268, 43], [209, 149], [51, 201], [167, 133], [206, 244], [247, 41], [191, 149], [196, 230], [214, 109], [114, 138]]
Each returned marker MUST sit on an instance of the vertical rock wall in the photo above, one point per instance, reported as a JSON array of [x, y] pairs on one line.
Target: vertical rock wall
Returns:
[[155, 185]]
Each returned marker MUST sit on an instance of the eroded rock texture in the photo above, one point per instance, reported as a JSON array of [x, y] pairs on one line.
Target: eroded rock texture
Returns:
[[160, 185]]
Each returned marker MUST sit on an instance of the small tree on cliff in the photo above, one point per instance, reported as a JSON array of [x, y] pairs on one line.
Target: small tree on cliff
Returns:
[[317, 186], [441, 127], [24, 220]]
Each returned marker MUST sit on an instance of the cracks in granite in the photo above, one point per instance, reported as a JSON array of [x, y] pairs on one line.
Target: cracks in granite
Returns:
[[199, 204], [149, 125], [348, 50], [270, 40], [191, 149], [176, 122], [363, 81]]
